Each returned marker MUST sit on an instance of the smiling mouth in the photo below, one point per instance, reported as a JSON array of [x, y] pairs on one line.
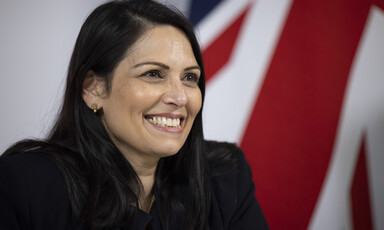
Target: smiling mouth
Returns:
[[165, 121]]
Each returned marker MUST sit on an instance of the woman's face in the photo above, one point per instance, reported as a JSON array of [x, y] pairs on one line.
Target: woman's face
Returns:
[[154, 96]]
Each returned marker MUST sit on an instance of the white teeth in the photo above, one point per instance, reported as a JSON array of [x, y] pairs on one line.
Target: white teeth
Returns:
[[165, 122]]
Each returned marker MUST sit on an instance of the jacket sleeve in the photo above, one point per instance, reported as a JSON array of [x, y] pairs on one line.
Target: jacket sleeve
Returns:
[[8, 215], [13, 205], [32, 193], [247, 212], [234, 205]]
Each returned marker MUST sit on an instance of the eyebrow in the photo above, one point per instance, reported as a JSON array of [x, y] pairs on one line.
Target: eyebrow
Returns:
[[152, 63], [192, 67], [164, 66]]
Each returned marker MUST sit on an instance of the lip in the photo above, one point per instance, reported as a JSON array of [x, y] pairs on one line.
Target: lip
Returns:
[[164, 128], [167, 115]]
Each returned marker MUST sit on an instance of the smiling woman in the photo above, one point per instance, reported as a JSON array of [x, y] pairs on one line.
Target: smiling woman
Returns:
[[157, 82], [127, 150]]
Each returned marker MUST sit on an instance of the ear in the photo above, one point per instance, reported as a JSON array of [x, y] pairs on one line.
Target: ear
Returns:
[[93, 90]]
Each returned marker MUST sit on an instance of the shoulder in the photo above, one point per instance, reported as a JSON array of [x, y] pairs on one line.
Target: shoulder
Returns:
[[225, 158], [231, 176], [33, 188], [234, 205], [228, 166], [28, 160], [28, 169]]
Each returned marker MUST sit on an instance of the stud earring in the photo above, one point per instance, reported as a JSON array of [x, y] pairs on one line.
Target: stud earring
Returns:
[[94, 107]]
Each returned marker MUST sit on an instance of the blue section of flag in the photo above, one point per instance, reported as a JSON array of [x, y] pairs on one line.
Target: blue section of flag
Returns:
[[200, 8]]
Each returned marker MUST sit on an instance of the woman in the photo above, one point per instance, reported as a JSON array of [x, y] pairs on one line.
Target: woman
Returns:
[[127, 150]]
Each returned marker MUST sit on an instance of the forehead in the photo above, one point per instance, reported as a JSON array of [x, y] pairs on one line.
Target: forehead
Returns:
[[162, 42]]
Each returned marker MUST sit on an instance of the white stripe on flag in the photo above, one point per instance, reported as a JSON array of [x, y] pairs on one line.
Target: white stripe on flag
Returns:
[[231, 95], [360, 115]]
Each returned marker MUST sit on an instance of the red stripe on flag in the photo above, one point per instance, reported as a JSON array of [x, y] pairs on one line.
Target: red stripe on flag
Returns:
[[379, 3], [290, 135], [217, 54], [361, 204]]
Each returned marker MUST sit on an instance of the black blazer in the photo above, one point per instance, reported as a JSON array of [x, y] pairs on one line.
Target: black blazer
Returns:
[[33, 196]]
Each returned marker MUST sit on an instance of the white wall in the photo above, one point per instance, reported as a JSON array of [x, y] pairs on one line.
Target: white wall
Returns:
[[36, 41]]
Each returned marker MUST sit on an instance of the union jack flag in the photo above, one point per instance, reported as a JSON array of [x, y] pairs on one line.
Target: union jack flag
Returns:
[[299, 85]]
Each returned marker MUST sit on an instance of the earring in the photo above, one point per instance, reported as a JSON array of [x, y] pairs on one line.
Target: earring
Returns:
[[94, 107]]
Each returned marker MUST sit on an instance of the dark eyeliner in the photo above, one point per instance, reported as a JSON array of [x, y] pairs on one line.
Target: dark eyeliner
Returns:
[[152, 72], [194, 76]]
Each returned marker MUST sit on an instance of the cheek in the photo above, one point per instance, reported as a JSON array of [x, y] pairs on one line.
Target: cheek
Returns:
[[138, 97], [195, 101]]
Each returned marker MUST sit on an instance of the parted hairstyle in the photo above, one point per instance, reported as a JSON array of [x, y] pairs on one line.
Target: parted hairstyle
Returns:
[[103, 188]]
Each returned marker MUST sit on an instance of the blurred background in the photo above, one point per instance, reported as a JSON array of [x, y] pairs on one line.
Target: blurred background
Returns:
[[298, 84]]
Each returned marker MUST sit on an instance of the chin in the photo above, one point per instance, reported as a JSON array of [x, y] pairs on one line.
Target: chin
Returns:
[[166, 151], [163, 147]]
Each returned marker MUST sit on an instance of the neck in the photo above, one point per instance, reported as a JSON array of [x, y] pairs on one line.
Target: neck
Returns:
[[146, 196], [146, 174], [145, 170], [148, 182]]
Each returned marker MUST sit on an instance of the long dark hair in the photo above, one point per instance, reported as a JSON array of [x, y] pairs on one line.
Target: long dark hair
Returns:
[[101, 184]]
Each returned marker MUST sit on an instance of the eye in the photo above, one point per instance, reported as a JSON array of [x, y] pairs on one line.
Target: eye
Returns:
[[191, 77], [152, 74]]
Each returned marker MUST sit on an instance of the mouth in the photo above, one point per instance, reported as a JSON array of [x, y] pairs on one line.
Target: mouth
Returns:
[[168, 121]]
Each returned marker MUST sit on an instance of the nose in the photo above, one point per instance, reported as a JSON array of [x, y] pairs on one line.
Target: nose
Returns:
[[175, 94]]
